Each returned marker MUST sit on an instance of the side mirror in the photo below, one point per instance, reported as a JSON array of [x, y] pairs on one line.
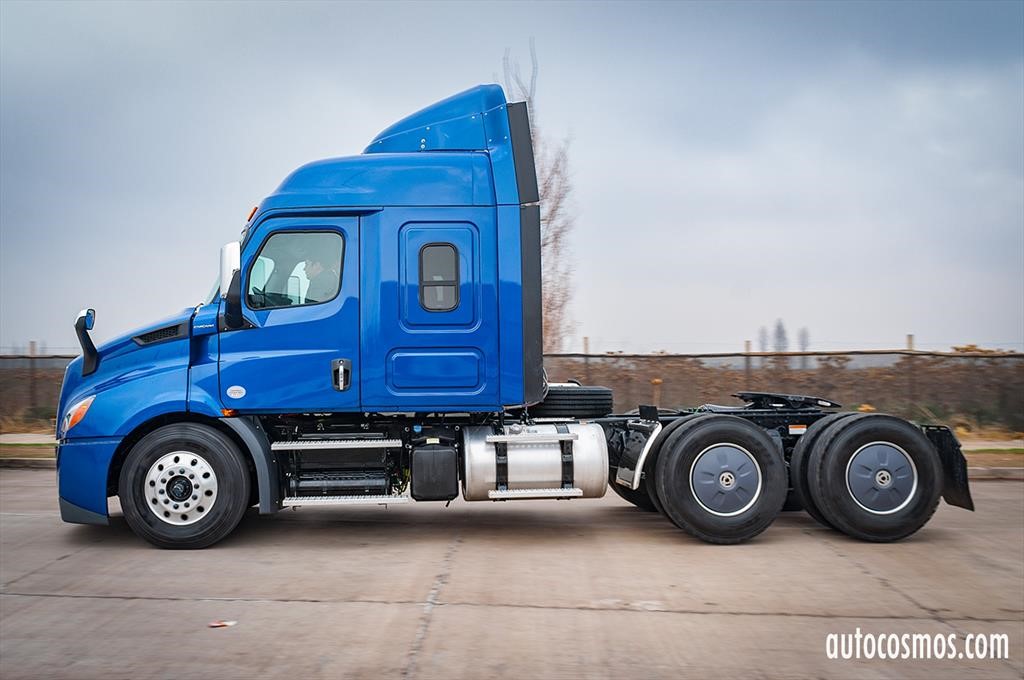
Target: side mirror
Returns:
[[83, 324], [230, 262], [86, 319], [230, 285]]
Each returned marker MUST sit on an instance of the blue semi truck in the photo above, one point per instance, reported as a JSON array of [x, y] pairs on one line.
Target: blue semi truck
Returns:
[[375, 338]]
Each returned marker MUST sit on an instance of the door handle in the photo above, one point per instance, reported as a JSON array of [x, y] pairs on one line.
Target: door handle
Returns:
[[341, 374]]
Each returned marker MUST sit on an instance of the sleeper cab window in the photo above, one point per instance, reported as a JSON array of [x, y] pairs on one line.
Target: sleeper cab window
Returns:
[[296, 268], [439, 277]]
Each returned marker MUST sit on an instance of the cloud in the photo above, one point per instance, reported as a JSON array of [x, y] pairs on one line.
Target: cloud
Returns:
[[853, 168]]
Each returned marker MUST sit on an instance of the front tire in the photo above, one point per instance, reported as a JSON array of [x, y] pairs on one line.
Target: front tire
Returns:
[[721, 479], [184, 485]]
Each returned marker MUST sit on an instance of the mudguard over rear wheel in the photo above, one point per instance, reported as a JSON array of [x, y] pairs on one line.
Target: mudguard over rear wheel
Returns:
[[721, 479], [875, 477], [184, 485]]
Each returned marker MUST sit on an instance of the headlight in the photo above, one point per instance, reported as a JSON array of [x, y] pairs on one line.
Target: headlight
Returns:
[[75, 414]]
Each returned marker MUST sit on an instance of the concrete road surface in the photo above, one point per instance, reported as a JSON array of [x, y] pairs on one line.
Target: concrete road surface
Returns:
[[535, 589]]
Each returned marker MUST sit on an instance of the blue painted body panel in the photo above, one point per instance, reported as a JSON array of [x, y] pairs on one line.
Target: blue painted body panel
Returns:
[[284, 362], [406, 349], [387, 180], [82, 466], [203, 375]]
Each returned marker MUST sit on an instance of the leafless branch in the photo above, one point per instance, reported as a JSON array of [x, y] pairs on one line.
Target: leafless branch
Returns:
[[557, 219]]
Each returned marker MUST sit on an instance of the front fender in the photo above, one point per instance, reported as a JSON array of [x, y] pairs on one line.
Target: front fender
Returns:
[[135, 388]]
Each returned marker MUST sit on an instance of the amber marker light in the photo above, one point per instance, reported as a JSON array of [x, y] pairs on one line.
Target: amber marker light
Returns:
[[77, 412], [251, 213]]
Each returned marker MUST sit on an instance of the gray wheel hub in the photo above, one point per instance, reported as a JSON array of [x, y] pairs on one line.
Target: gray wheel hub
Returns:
[[180, 488], [725, 479], [881, 478]]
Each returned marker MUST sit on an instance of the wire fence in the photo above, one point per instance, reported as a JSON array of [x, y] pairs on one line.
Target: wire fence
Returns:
[[972, 389]]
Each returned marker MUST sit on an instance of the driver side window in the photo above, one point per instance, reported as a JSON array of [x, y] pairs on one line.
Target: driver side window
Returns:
[[296, 268]]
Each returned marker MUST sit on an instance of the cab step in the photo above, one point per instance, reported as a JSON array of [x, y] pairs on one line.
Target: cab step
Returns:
[[297, 501], [515, 494], [313, 444]]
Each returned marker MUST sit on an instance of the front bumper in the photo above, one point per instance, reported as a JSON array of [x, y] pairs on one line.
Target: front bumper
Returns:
[[82, 467]]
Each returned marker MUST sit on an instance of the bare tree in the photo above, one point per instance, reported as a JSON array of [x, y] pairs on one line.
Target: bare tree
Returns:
[[803, 339], [556, 217], [781, 339], [762, 339]]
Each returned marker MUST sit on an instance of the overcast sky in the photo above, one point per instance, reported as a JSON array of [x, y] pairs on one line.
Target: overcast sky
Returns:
[[857, 169]]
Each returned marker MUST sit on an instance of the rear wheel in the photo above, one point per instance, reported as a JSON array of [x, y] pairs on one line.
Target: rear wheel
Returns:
[[875, 477], [184, 486], [650, 463], [721, 479], [638, 497], [798, 465]]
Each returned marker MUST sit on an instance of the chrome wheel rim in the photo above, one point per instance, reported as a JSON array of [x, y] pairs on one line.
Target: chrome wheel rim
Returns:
[[180, 488], [725, 480], [881, 478]]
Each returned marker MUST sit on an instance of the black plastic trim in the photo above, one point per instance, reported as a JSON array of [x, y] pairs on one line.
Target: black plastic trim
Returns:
[[255, 439], [157, 335], [69, 512], [533, 313], [90, 357], [522, 152]]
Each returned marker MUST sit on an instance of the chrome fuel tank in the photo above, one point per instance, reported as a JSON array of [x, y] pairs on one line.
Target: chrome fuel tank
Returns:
[[534, 455]]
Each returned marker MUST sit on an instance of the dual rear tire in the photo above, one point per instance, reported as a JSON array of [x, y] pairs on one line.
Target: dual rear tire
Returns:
[[724, 480], [872, 476], [720, 478]]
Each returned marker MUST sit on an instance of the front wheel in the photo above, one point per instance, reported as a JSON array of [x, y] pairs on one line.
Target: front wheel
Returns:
[[184, 486], [721, 479]]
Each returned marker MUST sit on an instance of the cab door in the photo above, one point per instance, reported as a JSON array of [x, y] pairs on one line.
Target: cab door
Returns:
[[298, 351]]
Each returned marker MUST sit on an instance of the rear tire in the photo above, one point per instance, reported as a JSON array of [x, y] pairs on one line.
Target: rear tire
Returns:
[[721, 479], [651, 462], [875, 477], [184, 486], [574, 401], [638, 497], [798, 465]]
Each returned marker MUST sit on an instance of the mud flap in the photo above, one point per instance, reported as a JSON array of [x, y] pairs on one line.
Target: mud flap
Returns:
[[641, 436], [954, 466]]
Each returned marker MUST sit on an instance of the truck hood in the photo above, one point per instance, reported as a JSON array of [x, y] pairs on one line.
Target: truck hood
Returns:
[[128, 355]]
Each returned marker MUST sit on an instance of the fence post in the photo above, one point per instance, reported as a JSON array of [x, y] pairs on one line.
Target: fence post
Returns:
[[656, 391], [912, 371], [746, 365], [32, 375], [586, 358]]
